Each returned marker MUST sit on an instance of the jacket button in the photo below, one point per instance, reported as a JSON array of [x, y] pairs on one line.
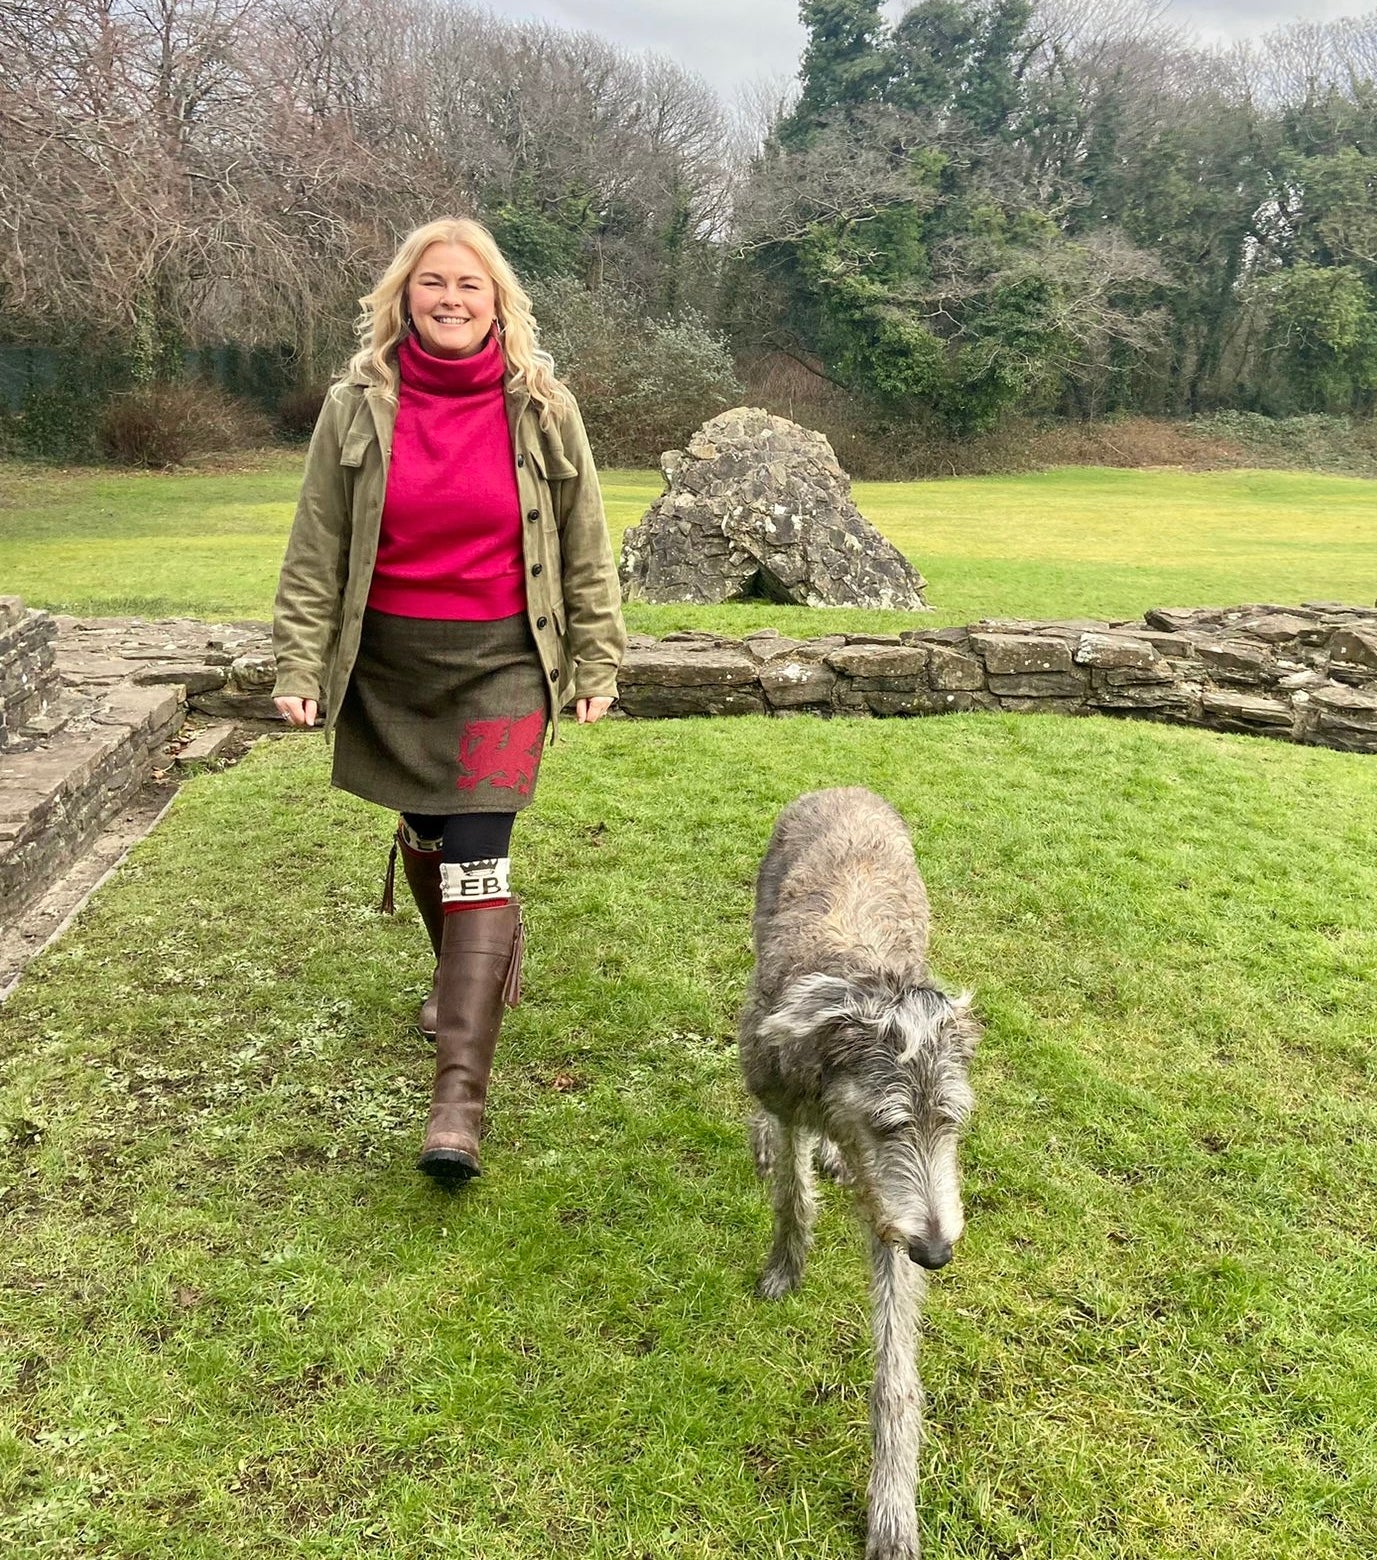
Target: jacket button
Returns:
[[535, 568], [541, 622], [520, 462], [554, 676], [533, 514]]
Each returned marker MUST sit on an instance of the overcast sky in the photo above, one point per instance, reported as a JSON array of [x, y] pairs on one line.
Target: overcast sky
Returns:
[[732, 42]]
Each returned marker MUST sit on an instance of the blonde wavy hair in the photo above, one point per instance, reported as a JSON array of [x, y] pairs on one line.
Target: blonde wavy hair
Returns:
[[384, 322]]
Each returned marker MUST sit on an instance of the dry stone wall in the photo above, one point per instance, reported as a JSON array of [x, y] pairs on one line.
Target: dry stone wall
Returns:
[[1306, 674], [87, 707], [70, 755], [28, 671], [56, 797], [225, 669]]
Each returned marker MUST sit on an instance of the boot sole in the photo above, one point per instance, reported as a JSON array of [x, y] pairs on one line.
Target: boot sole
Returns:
[[449, 1165]]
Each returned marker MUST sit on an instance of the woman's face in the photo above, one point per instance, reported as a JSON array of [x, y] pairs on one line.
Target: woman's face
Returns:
[[452, 300]]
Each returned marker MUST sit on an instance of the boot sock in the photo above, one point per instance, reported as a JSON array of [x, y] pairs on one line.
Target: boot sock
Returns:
[[477, 857], [475, 885]]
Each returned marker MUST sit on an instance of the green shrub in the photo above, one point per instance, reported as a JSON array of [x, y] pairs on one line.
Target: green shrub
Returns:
[[643, 385], [163, 424], [1314, 442], [874, 444], [56, 422]]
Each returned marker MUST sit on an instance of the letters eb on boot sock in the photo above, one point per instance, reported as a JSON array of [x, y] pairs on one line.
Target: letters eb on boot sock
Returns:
[[483, 884]]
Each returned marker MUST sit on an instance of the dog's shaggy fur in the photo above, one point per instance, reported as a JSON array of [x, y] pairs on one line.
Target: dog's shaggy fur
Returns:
[[856, 1055]]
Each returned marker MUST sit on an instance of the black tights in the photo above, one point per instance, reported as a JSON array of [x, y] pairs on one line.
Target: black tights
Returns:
[[467, 836]]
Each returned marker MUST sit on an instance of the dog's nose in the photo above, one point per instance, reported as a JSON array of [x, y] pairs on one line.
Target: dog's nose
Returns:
[[930, 1254]]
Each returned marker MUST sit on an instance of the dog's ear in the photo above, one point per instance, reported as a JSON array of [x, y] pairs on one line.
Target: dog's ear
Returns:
[[927, 1017], [817, 1002], [961, 1026], [807, 1004]]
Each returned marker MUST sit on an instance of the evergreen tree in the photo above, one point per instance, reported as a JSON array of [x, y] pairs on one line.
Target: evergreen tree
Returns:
[[916, 264], [847, 64]]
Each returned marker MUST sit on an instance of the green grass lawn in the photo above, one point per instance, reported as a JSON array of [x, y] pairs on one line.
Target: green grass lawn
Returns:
[[237, 1322], [1082, 542]]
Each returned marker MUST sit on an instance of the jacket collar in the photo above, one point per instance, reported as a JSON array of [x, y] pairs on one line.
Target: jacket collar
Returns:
[[518, 399]]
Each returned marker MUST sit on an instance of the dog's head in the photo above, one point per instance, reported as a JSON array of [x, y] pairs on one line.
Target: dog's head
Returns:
[[894, 1092]]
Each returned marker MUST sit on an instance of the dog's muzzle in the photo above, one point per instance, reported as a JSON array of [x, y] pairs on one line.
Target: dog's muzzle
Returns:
[[930, 1254]]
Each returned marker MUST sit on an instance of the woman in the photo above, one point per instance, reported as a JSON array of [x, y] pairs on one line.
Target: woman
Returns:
[[448, 583]]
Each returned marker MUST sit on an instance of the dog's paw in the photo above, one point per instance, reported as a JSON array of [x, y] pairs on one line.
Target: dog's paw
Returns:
[[890, 1548], [893, 1536], [776, 1282]]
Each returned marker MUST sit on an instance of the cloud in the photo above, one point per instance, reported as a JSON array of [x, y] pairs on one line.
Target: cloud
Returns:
[[1250, 18], [733, 42], [727, 42]]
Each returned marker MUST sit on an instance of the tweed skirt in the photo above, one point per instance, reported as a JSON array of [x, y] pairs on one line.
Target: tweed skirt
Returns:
[[443, 717]]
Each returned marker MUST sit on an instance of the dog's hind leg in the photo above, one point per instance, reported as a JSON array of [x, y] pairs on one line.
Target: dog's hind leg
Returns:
[[795, 1205], [896, 1406]]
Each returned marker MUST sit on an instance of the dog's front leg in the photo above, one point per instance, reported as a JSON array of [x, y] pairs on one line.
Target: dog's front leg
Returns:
[[794, 1209], [896, 1406], [763, 1132], [832, 1163]]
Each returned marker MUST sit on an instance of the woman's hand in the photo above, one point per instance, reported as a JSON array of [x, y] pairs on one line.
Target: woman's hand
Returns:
[[300, 712], [587, 710]]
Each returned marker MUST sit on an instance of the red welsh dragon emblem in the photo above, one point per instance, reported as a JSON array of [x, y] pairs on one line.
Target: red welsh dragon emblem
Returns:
[[504, 753]]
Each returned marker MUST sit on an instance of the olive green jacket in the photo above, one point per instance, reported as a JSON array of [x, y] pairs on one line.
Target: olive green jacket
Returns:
[[573, 601]]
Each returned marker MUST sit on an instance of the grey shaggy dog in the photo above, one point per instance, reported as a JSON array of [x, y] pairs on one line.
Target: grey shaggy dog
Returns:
[[856, 1056]]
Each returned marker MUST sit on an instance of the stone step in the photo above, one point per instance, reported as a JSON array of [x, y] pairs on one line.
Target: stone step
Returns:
[[206, 746], [56, 797], [68, 708]]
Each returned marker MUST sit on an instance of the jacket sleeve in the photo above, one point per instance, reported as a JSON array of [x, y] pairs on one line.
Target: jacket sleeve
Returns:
[[592, 594], [310, 589]]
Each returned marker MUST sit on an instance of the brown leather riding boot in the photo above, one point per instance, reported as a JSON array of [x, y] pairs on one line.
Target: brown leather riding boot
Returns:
[[422, 869], [479, 973]]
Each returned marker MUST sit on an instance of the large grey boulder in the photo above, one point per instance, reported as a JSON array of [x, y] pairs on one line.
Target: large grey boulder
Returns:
[[757, 506]]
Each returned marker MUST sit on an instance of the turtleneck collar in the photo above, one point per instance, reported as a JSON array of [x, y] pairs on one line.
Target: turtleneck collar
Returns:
[[422, 370]]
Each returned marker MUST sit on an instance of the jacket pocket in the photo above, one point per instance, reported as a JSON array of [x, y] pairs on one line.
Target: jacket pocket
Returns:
[[357, 436], [552, 467]]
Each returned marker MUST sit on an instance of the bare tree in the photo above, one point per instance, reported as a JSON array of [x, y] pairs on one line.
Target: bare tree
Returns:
[[189, 171]]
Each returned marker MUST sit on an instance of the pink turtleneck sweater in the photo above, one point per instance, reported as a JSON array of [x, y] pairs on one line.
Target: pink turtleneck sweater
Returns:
[[450, 545]]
